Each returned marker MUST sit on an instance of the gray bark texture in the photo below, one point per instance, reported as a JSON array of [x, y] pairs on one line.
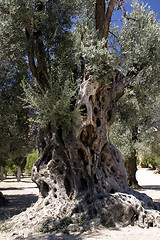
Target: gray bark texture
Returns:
[[18, 174], [81, 178]]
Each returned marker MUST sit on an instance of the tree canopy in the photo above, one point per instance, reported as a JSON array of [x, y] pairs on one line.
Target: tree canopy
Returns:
[[33, 33], [14, 118]]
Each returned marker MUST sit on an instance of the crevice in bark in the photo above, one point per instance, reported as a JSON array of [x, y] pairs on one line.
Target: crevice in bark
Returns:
[[83, 184], [109, 116], [98, 122], [88, 135], [67, 184], [83, 111], [44, 188], [82, 156]]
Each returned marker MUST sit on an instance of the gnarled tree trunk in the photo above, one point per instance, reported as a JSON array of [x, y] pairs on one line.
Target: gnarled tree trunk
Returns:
[[82, 176]]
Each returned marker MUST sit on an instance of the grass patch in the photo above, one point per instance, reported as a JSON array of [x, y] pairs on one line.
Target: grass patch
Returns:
[[6, 225]]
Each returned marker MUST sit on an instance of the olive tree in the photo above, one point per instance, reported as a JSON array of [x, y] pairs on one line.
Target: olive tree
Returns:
[[80, 65]]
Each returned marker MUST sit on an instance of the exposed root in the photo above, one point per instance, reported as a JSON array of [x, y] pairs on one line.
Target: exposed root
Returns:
[[118, 209]]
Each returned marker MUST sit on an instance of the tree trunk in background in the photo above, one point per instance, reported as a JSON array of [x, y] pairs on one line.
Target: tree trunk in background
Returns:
[[18, 174], [5, 174], [131, 169], [2, 173]]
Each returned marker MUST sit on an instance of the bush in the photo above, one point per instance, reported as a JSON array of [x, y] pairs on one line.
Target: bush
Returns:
[[149, 160], [31, 158], [157, 159]]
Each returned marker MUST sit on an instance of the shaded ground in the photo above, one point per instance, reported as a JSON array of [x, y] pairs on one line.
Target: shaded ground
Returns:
[[22, 195], [149, 182]]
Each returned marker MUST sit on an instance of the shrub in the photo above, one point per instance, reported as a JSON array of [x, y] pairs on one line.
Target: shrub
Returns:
[[149, 160], [31, 158]]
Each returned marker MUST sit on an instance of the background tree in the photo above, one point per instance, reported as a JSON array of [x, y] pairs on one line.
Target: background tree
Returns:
[[79, 62], [31, 158], [16, 131], [136, 130]]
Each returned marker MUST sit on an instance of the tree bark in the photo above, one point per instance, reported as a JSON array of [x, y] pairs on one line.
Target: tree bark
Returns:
[[100, 16], [103, 18], [18, 174], [36, 51], [2, 173], [130, 163], [109, 13], [131, 168]]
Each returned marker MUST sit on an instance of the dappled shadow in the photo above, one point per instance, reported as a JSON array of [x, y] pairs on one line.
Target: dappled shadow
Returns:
[[10, 188], [16, 205], [150, 187], [150, 190], [15, 188], [26, 181], [74, 236], [53, 237]]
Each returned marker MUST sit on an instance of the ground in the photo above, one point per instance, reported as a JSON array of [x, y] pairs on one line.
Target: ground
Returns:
[[23, 194]]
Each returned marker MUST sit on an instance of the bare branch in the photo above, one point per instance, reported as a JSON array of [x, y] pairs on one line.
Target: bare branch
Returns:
[[120, 6], [113, 34]]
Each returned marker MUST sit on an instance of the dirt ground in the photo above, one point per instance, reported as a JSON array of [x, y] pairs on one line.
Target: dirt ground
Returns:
[[22, 194]]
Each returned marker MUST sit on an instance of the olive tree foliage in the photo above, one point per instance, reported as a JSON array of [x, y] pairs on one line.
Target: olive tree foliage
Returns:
[[137, 125], [15, 139], [136, 130], [14, 122], [42, 30], [141, 50]]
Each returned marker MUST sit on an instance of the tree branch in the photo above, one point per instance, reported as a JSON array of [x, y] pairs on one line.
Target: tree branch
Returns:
[[120, 6], [137, 69], [30, 44], [29, 38], [41, 61], [121, 82], [35, 49], [113, 34], [100, 15], [4, 11], [27, 26], [108, 15]]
